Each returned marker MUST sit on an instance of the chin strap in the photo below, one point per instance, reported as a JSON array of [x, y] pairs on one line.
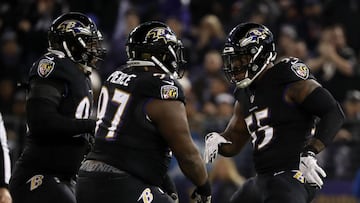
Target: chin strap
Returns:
[[172, 75], [87, 69], [60, 54], [135, 63], [68, 51], [247, 81]]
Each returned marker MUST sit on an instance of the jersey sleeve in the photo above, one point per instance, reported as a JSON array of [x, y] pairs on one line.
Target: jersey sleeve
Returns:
[[5, 168], [164, 88], [55, 72], [51, 67], [292, 70]]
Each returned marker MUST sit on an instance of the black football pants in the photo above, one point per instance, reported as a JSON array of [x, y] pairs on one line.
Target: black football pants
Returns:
[[32, 187], [99, 187], [283, 187]]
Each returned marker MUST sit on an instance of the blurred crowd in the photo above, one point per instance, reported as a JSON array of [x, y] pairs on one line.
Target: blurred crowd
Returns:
[[323, 33]]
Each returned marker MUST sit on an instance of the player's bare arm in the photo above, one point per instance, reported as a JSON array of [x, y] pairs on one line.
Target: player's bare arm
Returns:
[[170, 118], [236, 132]]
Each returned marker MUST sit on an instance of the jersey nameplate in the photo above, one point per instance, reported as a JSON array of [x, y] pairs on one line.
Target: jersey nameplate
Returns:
[[45, 67], [169, 92], [301, 70], [120, 78]]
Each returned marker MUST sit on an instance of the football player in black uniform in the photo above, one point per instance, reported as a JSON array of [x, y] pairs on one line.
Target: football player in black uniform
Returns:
[[58, 105], [141, 123], [276, 106]]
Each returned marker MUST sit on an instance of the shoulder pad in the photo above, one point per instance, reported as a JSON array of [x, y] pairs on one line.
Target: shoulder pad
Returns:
[[53, 66], [293, 69], [161, 86]]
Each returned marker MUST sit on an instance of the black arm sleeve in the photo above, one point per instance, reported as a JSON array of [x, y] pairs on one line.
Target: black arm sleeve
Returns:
[[43, 117], [322, 104]]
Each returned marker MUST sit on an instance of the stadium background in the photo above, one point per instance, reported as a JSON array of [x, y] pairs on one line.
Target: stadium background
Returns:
[[323, 33]]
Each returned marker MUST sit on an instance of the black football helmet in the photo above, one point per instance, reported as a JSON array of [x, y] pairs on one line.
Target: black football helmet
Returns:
[[248, 50], [154, 43], [78, 37]]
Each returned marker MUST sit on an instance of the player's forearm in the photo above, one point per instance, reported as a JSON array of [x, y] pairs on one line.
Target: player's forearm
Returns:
[[228, 150], [235, 147], [322, 104], [329, 125], [193, 168], [314, 145]]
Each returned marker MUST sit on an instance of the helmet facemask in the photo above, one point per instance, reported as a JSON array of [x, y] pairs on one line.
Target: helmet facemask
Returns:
[[77, 36], [248, 62], [155, 44], [249, 50], [172, 60]]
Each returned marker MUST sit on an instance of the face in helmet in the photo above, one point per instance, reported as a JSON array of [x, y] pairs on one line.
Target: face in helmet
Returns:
[[155, 44], [78, 37], [249, 49]]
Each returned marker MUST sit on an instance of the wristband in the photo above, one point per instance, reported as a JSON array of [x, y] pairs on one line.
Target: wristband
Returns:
[[204, 189], [310, 148], [307, 153]]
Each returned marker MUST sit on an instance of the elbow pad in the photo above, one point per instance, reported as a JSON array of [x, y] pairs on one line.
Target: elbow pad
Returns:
[[323, 105]]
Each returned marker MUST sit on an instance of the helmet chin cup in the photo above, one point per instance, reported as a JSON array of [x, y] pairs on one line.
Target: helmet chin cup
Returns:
[[243, 83]]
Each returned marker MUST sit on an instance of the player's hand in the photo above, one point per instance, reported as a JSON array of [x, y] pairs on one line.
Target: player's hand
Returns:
[[202, 194], [212, 142], [5, 196], [312, 172], [90, 138]]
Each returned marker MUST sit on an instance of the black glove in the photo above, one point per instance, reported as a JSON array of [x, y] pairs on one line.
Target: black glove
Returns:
[[90, 138], [202, 194]]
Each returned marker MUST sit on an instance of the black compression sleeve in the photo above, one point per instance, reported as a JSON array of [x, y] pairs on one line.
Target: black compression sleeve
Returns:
[[42, 115], [44, 119], [322, 104], [46, 89]]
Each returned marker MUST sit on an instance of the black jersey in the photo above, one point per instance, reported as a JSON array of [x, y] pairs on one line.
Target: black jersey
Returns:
[[278, 130], [56, 152], [125, 136]]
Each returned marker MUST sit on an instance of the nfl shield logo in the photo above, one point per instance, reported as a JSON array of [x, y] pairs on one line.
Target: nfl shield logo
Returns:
[[45, 67]]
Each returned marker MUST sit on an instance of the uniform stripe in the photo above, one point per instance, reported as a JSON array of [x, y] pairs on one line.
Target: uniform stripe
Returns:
[[5, 166]]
